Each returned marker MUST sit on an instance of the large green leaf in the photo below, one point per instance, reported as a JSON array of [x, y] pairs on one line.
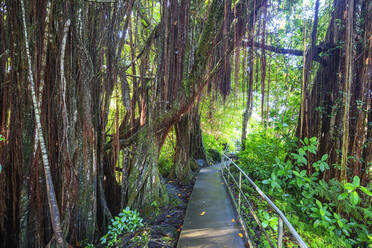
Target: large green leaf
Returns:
[[356, 181], [365, 190], [354, 198], [349, 186], [342, 196]]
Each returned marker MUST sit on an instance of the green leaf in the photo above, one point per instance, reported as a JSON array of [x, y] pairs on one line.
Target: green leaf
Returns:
[[354, 198], [342, 196], [318, 203], [301, 151], [302, 160], [365, 190], [356, 181], [340, 224], [367, 212], [312, 149], [265, 224], [324, 157], [313, 140], [316, 223], [296, 173], [322, 212], [349, 186]]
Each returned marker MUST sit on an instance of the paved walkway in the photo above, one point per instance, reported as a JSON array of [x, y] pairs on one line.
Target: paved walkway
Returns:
[[210, 218]]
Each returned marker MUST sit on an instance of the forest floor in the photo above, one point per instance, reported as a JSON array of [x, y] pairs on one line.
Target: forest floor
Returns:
[[166, 223]]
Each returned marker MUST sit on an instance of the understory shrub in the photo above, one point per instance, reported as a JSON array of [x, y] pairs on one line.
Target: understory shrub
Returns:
[[325, 213], [128, 221], [260, 152]]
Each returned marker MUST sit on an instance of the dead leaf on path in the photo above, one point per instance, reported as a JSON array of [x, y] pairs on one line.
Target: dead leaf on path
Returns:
[[241, 235], [202, 213]]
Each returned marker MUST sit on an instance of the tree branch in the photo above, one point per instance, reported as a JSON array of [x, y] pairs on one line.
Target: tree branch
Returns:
[[288, 51]]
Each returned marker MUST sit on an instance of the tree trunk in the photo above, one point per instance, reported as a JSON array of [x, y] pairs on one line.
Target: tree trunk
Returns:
[[197, 150], [181, 168], [144, 185], [52, 200], [326, 110], [249, 105]]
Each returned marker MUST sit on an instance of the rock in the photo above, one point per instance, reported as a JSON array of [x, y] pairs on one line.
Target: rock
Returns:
[[202, 162], [164, 230]]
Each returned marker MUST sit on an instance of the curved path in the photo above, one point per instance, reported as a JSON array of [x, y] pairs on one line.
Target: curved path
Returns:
[[210, 217]]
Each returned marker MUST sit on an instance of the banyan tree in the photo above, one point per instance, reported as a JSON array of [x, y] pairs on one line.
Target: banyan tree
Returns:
[[90, 90], [69, 160]]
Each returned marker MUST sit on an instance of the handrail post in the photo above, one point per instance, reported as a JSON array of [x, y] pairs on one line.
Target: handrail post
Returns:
[[240, 189], [228, 174], [280, 232]]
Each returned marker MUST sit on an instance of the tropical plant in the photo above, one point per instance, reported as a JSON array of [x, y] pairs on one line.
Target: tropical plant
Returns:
[[127, 221]]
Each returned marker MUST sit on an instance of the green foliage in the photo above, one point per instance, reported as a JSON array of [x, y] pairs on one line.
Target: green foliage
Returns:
[[262, 147], [166, 157], [332, 209], [211, 142], [268, 220], [325, 213], [221, 123], [156, 207], [127, 221]]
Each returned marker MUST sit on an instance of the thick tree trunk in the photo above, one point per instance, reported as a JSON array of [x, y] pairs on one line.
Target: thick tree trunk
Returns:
[[52, 199], [80, 67], [181, 168], [197, 150], [326, 110], [143, 179]]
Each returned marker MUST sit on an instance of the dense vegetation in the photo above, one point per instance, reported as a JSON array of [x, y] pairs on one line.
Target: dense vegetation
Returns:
[[101, 99]]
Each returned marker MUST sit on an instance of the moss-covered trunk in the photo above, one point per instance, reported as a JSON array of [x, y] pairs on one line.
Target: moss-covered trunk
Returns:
[[143, 179], [181, 169]]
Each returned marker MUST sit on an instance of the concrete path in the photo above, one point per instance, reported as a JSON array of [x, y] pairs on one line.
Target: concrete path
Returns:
[[209, 216]]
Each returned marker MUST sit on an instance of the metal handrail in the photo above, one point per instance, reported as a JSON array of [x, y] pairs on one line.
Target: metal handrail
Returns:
[[281, 218]]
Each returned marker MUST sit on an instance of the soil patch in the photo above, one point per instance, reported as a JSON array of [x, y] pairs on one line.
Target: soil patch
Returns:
[[166, 223]]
